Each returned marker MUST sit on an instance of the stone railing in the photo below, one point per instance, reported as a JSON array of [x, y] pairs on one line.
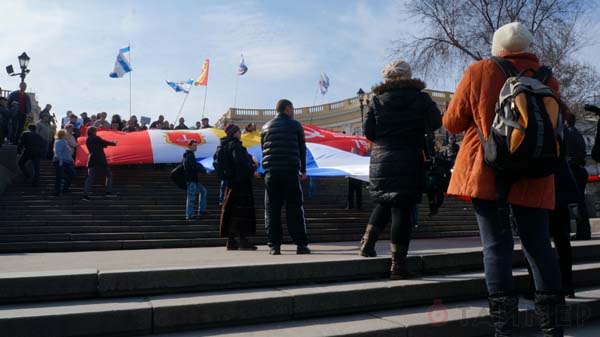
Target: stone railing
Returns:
[[4, 93], [305, 113]]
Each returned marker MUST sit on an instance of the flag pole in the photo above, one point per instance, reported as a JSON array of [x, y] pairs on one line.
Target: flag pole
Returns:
[[314, 102], [130, 81], [183, 103], [236, 90], [204, 105]]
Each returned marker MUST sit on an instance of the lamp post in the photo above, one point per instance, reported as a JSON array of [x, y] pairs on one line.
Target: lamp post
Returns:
[[361, 98], [23, 63]]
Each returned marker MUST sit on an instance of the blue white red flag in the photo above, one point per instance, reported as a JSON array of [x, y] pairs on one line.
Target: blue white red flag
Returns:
[[242, 69], [122, 65], [183, 86], [323, 83]]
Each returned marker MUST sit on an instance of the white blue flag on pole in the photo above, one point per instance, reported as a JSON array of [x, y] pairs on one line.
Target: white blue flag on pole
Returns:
[[183, 86], [242, 69], [122, 65], [323, 83]]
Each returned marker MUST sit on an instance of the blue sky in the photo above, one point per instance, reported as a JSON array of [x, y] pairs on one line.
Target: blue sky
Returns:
[[286, 44]]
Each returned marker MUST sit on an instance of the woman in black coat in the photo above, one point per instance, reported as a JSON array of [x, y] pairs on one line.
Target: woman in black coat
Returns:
[[236, 166], [399, 116]]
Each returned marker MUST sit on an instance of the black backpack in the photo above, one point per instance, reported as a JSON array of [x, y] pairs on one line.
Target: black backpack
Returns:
[[178, 176], [222, 162]]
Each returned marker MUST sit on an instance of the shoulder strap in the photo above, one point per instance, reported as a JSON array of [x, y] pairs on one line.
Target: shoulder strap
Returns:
[[507, 67], [543, 74]]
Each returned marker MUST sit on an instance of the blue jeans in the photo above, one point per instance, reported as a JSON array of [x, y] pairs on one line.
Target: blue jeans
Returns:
[[68, 172], [498, 245], [192, 190]]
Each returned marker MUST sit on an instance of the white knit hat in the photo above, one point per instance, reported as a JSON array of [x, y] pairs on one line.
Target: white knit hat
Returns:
[[397, 69], [512, 37]]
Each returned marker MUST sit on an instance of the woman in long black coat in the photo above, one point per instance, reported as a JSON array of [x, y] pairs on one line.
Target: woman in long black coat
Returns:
[[238, 216], [399, 116]]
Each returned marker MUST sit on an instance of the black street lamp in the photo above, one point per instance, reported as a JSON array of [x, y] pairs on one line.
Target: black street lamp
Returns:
[[23, 63], [361, 98]]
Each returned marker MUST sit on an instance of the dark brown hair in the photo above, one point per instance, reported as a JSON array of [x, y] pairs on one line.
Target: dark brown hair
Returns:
[[282, 104]]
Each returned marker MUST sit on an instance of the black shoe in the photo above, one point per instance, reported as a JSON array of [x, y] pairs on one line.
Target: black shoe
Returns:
[[245, 244], [580, 238], [232, 244], [66, 192], [86, 198], [275, 250], [57, 194], [302, 250]]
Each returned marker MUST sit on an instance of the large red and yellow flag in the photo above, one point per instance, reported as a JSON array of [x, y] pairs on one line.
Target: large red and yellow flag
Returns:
[[203, 78]]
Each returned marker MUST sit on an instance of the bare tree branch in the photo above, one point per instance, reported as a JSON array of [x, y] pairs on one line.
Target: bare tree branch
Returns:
[[457, 32]]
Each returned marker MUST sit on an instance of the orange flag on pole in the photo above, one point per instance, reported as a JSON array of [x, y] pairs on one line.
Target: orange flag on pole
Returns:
[[203, 78]]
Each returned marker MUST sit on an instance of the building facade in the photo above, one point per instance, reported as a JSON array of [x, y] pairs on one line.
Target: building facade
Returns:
[[342, 116]]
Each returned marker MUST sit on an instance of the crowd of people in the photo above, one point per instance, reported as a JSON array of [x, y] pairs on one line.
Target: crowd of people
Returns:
[[400, 121], [404, 164]]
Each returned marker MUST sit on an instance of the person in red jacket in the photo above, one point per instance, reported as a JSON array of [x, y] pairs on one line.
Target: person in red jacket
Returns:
[[472, 107]]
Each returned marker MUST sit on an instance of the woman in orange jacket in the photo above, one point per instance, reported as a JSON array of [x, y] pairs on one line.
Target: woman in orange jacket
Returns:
[[472, 108]]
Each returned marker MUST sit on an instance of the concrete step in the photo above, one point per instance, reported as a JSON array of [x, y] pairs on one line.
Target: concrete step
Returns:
[[234, 307], [66, 246], [108, 282], [61, 233], [436, 319]]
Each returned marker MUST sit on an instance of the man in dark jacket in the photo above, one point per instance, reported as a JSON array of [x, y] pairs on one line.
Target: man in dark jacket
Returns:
[[97, 163], [284, 161], [4, 115], [21, 101], [31, 145], [575, 155], [191, 168]]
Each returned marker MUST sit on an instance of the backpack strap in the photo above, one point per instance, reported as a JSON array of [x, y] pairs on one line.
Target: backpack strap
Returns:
[[506, 66], [543, 74]]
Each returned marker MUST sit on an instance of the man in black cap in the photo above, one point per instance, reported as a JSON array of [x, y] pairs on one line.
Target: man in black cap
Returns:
[[32, 146], [284, 162]]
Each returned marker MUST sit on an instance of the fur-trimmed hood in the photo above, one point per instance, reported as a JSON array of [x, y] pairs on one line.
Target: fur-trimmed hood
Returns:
[[398, 83]]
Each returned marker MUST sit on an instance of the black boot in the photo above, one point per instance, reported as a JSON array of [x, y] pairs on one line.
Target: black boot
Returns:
[[245, 244], [398, 269], [504, 312], [232, 244], [550, 309], [367, 243]]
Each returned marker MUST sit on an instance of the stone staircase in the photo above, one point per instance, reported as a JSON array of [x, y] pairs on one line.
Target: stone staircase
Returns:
[[149, 213], [311, 296]]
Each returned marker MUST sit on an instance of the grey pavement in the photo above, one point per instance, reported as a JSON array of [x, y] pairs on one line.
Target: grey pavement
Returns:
[[214, 256], [218, 256]]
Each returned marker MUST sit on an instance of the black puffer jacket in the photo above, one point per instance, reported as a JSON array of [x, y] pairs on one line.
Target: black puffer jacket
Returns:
[[397, 120], [283, 145]]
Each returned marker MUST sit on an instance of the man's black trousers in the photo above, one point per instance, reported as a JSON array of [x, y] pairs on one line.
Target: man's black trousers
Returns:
[[284, 188]]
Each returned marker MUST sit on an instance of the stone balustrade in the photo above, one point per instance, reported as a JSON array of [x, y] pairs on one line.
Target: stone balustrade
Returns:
[[330, 115]]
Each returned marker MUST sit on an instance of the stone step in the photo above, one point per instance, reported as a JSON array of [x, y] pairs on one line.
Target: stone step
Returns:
[[64, 246], [163, 313], [16, 232], [436, 319], [134, 281]]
